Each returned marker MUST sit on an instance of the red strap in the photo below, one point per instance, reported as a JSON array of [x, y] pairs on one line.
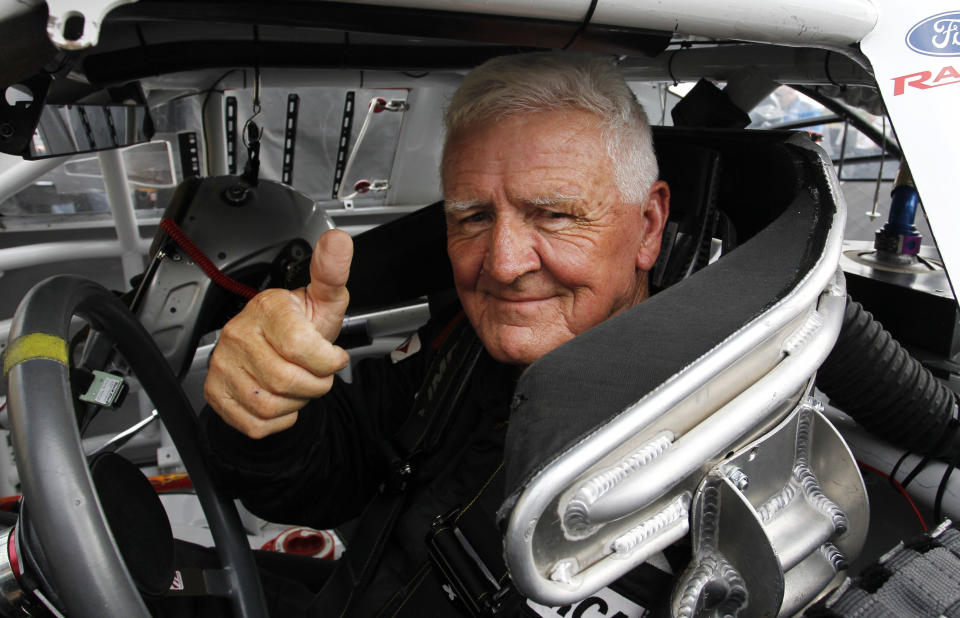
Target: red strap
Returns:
[[180, 237], [438, 341]]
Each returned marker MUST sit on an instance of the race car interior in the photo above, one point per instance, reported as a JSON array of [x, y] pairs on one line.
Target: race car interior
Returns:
[[741, 458]]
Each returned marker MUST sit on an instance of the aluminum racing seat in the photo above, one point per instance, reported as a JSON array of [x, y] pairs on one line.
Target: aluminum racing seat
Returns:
[[691, 413]]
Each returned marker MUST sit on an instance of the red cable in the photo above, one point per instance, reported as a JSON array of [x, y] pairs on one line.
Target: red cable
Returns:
[[180, 237], [896, 483]]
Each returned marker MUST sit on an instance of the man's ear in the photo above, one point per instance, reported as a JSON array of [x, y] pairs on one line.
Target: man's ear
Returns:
[[655, 213]]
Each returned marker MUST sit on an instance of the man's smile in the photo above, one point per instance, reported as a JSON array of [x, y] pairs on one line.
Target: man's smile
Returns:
[[520, 299]]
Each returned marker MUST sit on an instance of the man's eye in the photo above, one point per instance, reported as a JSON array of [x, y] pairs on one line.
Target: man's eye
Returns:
[[477, 217], [555, 215]]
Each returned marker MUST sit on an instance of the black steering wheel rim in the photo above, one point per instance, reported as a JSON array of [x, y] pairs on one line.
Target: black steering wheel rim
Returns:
[[64, 510]]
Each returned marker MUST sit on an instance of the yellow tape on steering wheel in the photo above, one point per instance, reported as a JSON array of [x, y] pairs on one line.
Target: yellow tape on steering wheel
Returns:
[[34, 345]]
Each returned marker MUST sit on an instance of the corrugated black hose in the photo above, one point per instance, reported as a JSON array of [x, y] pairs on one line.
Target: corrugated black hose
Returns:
[[872, 378]]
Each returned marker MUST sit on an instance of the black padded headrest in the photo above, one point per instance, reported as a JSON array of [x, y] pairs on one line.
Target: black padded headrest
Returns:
[[693, 173], [581, 385], [400, 261], [406, 258], [759, 175]]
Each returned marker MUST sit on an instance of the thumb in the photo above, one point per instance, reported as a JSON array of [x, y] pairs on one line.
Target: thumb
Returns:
[[327, 295]]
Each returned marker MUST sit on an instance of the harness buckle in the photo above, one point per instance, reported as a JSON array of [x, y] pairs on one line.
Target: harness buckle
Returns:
[[464, 576], [399, 478]]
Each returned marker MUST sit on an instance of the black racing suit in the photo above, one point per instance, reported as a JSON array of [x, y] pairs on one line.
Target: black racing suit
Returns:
[[325, 469]]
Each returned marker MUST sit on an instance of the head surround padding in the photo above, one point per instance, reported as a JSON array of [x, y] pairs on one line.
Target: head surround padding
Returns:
[[577, 388]]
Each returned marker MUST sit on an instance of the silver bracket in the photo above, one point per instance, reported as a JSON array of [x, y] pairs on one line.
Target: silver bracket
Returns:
[[75, 24], [396, 105]]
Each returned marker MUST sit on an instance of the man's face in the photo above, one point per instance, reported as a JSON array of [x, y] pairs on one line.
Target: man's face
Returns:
[[542, 245]]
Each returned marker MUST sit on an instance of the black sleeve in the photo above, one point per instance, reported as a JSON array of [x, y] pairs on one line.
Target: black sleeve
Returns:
[[322, 471]]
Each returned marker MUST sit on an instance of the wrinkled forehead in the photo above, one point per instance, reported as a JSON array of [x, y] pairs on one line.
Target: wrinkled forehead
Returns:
[[528, 159], [454, 135], [554, 145]]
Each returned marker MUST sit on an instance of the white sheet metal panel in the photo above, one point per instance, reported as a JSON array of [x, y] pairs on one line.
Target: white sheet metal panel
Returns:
[[93, 13], [915, 52], [415, 178], [818, 23]]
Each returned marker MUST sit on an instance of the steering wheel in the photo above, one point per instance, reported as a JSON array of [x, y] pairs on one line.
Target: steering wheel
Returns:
[[64, 511]]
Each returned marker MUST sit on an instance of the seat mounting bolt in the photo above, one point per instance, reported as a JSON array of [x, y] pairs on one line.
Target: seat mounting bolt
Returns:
[[738, 477]]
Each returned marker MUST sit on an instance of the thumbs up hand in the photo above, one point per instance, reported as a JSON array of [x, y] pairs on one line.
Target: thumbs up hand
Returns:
[[277, 353]]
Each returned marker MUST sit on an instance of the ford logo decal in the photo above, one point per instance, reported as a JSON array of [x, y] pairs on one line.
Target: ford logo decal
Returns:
[[936, 36]]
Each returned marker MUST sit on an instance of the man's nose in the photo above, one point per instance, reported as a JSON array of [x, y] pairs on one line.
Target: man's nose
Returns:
[[512, 251]]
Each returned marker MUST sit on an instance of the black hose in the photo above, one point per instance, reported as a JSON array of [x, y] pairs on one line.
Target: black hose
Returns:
[[872, 378]]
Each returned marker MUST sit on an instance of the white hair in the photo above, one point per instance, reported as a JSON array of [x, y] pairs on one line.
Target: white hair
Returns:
[[554, 81]]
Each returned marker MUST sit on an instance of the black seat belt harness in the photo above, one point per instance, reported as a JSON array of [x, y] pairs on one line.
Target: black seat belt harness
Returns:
[[478, 590], [436, 402]]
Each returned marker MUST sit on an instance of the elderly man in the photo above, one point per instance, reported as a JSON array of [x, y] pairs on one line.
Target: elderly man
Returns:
[[554, 216]]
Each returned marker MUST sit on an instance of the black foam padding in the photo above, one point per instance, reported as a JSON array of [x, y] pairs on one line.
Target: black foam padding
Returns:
[[137, 520], [400, 261], [580, 386], [692, 173], [759, 175], [406, 258], [708, 106]]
